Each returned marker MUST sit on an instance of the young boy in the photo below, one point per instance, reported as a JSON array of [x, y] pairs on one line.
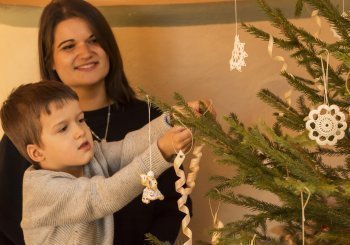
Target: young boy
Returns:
[[75, 185]]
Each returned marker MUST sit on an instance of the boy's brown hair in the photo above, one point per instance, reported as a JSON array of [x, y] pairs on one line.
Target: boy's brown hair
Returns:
[[20, 113]]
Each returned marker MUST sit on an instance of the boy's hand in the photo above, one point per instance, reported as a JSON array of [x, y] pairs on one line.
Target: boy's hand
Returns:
[[174, 140]]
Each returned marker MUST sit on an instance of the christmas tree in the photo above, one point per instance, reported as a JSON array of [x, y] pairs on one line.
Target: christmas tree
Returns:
[[287, 158]]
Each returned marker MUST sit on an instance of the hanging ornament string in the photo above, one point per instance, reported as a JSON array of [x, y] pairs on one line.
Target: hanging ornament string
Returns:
[[236, 24], [346, 82], [149, 132], [151, 191], [325, 78], [327, 123], [217, 224], [303, 206], [238, 52]]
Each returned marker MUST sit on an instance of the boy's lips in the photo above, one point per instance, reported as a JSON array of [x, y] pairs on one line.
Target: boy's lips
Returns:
[[85, 146]]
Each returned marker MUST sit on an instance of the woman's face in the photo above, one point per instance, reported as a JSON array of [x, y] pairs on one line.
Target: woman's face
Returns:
[[78, 58]]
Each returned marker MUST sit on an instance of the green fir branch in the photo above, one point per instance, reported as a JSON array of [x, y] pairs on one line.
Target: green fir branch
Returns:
[[332, 14], [298, 8], [152, 240]]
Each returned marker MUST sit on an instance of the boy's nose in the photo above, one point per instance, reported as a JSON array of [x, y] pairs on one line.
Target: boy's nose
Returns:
[[79, 132]]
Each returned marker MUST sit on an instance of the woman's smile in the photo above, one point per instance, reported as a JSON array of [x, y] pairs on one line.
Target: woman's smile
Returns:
[[86, 67]]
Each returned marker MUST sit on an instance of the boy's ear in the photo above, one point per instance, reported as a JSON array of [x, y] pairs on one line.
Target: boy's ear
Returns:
[[35, 153]]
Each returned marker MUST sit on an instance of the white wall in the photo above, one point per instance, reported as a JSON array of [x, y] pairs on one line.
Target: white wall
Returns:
[[18, 59]]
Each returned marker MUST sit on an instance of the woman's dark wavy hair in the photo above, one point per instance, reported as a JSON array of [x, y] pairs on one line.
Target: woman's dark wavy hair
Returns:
[[116, 83]]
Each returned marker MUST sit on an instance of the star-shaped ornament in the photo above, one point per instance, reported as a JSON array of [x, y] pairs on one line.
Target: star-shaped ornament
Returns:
[[238, 55]]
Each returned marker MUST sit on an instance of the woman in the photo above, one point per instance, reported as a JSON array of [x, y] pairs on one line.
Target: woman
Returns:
[[78, 48]]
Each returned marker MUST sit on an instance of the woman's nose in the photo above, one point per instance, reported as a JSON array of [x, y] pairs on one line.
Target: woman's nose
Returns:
[[84, 51]]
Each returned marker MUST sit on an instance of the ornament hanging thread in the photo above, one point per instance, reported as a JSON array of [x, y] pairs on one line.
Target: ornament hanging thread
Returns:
[[238, 53], [151, 191], [327, 123]]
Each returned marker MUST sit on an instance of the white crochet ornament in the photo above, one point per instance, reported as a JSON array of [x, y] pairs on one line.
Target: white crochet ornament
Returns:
[[326, 124], [151, 192], [238, 55]]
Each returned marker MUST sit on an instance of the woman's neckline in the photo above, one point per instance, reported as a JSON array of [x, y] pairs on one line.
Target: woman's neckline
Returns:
[[99, 109]]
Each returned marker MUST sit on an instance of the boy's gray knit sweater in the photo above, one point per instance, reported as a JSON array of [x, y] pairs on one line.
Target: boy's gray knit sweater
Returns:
[[59, 208]]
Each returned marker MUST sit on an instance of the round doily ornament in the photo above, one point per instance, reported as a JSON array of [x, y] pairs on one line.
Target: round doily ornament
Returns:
[[326, 124]]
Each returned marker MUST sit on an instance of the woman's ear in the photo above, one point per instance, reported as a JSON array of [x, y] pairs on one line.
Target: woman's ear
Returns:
[[35, 153]]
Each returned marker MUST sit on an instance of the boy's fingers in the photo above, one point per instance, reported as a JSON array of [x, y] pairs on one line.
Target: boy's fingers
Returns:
[[185, 141], [184, 134], [183, 144], [176, 129]]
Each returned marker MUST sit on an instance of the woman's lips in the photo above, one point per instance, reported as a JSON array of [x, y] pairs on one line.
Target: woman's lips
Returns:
[[86, 67]]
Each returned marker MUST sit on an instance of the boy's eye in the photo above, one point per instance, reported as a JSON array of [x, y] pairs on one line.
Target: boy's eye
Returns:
[[82, 120], [63, 129]]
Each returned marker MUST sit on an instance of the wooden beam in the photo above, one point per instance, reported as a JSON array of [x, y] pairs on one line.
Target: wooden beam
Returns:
[[184, 14], [42, 3]]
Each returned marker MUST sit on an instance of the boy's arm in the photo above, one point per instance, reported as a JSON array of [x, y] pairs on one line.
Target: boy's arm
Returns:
[[56, 198], [120, 153]]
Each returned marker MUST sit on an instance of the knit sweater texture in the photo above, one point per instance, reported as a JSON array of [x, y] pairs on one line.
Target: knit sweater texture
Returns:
[[59, 208]]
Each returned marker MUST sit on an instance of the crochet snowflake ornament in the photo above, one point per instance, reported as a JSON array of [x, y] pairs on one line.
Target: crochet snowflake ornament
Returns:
[[238, 55], [326, 124]]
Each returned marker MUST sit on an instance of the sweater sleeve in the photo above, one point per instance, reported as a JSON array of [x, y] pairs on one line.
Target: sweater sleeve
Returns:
[[120, 153], [56, 198]]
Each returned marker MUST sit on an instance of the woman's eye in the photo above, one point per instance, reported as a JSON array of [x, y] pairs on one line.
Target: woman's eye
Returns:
[[93, 40], [68, 47]]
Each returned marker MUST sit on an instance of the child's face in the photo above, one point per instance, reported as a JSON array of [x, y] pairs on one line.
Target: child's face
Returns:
[[66, 139]]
